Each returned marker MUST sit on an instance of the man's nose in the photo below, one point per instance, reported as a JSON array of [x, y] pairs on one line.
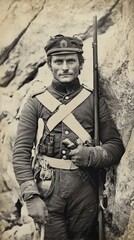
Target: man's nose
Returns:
[[65, 66]]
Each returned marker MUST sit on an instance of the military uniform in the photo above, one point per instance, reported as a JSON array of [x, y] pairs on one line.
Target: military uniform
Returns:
[[72, 201]]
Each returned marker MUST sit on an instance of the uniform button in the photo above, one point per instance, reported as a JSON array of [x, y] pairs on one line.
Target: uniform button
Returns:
[[63, 151], [64, 157], [67, 97], [66, 132]]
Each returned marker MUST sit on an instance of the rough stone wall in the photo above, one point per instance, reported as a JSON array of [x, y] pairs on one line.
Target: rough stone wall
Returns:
[[25, 26]]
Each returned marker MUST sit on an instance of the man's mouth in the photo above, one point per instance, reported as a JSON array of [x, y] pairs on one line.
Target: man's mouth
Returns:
[[65, 74]]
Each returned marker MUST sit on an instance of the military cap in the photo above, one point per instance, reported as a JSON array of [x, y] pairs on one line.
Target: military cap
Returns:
[[61, 44]]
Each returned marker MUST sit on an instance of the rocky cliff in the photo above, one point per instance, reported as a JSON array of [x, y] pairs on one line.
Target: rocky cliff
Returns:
[[25, 26]]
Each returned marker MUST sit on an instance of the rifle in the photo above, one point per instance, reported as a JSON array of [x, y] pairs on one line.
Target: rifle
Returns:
[[101, 198]]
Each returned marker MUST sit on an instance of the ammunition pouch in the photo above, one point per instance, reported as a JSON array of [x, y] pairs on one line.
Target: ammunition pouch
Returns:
[[44, 176], [46, 145]]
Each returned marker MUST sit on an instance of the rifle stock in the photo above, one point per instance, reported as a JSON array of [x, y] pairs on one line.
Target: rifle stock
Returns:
[[96, 125]]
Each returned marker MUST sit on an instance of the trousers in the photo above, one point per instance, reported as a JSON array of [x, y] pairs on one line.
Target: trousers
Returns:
[[72, 206]]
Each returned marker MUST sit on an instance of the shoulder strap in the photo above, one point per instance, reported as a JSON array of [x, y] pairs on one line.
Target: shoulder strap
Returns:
[[87, 87], [48, 100]]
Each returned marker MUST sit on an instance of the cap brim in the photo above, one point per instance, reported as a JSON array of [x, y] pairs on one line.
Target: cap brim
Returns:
[[58, 51], [62, 53]]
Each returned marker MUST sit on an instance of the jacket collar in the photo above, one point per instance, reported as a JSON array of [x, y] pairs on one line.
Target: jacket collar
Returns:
[[66, 87]]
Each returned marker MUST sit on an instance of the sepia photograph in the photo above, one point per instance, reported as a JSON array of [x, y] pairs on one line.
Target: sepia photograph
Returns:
[[67, 120]]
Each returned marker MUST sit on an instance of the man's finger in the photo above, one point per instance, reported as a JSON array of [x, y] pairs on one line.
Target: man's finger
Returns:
[[73, 152]]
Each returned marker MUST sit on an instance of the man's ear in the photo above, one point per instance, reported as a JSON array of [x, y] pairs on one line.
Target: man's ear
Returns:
[[49, 66], [81, 67]]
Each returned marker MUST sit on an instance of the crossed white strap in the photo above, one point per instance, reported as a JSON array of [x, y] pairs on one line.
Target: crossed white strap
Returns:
[[64, 113]]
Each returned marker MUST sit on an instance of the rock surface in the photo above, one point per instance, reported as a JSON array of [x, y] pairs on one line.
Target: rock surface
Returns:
[[25, 27]]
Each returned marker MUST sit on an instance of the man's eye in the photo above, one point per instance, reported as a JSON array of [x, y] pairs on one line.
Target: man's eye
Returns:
[[58, 61], [71, 61]]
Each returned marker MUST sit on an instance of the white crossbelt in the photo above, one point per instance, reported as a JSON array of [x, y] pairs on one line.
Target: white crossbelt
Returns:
[[65, 110], [64, 113]]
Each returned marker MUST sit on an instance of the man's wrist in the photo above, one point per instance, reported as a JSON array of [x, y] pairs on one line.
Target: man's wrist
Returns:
[[28, 189], [29, 196]]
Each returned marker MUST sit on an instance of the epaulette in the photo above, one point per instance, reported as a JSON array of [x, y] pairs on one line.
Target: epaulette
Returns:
[[87, 87], [37, 91]]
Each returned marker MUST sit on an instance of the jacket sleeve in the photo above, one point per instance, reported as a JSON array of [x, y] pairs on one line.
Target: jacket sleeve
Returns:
[[26, 133], [111, 149]]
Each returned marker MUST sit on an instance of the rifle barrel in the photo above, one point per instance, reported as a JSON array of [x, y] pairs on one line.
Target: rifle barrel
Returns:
[[96, 124], [95, 83]]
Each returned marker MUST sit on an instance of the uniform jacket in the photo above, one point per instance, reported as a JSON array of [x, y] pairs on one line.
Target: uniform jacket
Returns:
[[33, 110]]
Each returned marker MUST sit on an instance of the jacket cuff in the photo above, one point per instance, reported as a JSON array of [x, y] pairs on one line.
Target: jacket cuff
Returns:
[[28, 189], [98, 157]]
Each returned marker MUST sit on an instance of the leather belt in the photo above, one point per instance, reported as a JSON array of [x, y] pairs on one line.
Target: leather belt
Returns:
[[59, 163]]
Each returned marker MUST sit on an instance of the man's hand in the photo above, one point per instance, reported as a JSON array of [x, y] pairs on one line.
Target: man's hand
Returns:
[[80, 156], [37, 209], [84, 156]]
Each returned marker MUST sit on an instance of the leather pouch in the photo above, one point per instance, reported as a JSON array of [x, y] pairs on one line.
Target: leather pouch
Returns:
[[44, 176]]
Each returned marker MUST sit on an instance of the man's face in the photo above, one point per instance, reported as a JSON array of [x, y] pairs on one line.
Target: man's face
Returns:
[[65, 67]]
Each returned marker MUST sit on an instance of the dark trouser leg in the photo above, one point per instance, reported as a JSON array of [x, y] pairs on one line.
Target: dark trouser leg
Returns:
[[72, 207], [82, 211], [56, 228]]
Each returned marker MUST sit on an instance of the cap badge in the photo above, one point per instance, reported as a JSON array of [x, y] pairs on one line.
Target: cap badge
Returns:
[[63, 44]]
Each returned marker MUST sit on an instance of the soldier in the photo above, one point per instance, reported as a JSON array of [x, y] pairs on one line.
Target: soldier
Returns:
[[61, 190]]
